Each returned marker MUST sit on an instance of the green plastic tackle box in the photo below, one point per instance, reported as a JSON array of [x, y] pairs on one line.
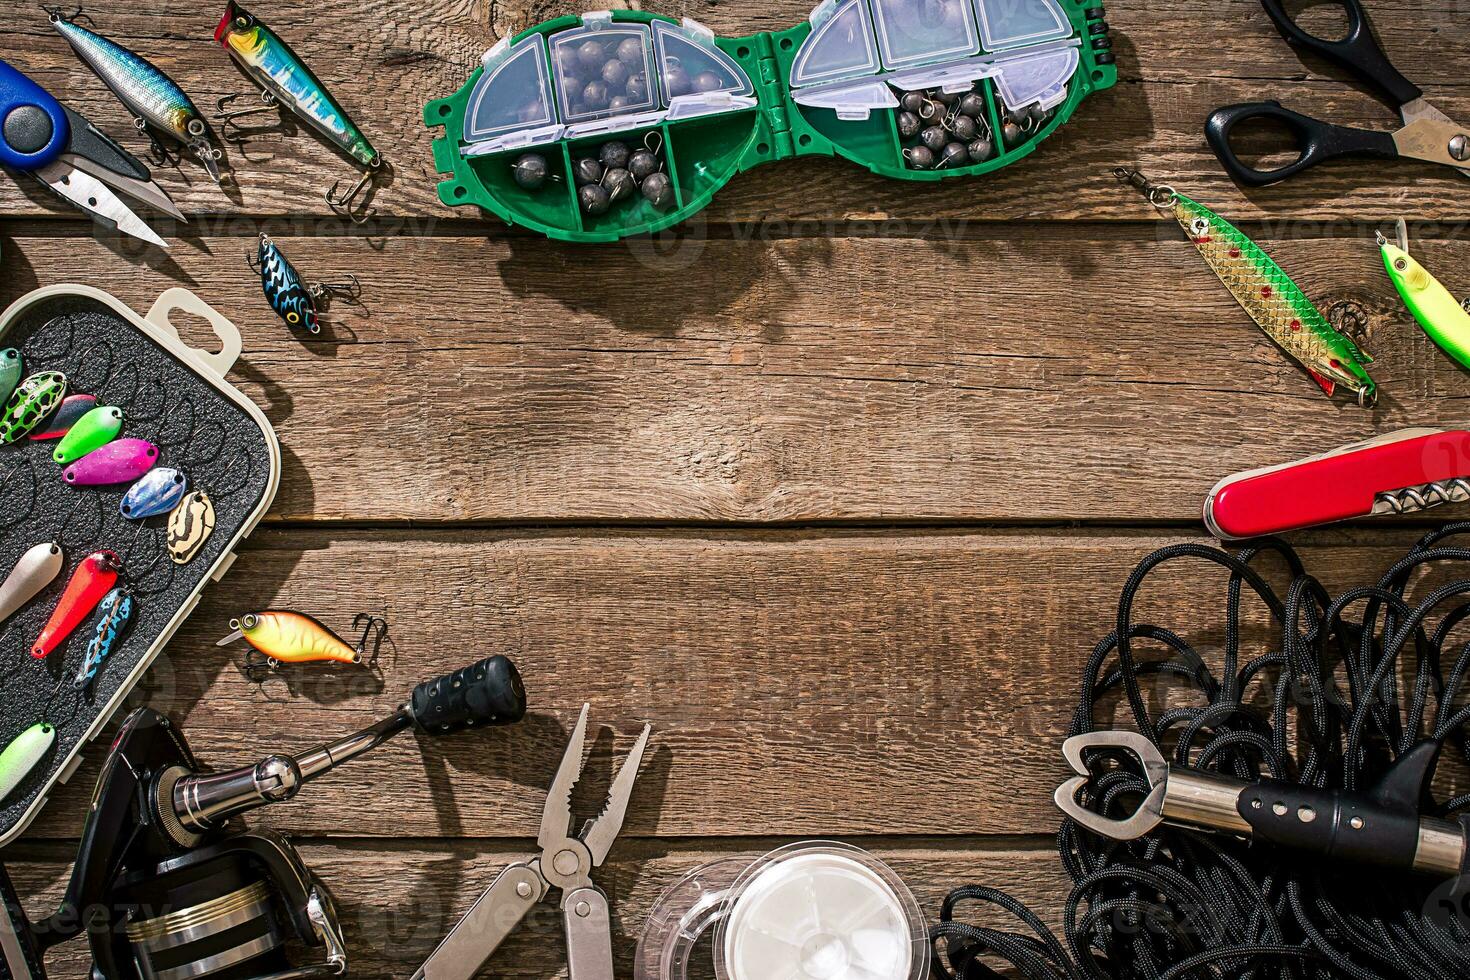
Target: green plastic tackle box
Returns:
[[711, 107]]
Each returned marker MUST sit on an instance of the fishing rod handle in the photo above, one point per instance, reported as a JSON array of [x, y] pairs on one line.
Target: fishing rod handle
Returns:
[[487, 693]]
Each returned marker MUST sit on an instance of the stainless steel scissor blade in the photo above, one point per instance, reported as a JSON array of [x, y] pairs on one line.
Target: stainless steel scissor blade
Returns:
[[94, 197], [146, 191]]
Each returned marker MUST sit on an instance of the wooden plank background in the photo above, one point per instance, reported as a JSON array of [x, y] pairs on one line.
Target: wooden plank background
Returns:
[[835, 488]]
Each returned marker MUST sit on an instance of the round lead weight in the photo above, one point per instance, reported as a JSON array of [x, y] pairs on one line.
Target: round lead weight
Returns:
[[641, 164], [919, 157], [954, 155], [980, 149], [591, 55], [587, 171], [619, 184], [658, 189], [973, 105], [630, 52], [595, 96], [615, 74], [909, 124], [637, 88], [613, 154], [934, 138], [1011, 133], [676, 81], [594, 199], [530, 170], [964, 127]]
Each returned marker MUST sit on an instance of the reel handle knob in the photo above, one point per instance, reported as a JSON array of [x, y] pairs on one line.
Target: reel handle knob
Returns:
[[490, 692]]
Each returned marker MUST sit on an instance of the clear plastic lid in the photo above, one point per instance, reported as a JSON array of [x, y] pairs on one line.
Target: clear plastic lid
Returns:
[[841, 44], [821, 911], [691, 64], [513, 93], [923, 32], [854, 101], [604, 69], [1008, 24], [682, 915], [1036, 79]]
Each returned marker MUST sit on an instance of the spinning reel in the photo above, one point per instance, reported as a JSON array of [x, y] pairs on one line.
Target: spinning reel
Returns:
[[164, 889]]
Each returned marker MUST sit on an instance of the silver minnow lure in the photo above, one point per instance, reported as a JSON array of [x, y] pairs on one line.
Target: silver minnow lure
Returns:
[[153, 98]]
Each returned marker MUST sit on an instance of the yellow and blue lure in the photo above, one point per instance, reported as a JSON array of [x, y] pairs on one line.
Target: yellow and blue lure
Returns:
[[1441, 315]]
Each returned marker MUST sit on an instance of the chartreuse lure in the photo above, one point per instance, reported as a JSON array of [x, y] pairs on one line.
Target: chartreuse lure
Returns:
[[21, 757], [30, 404], [155, 100], [1441, 315], [91, 432], [36, 569], [1267, 293], [291, 638]]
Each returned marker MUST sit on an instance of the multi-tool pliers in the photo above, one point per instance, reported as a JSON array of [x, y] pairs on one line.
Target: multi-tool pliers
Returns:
[[565, 863]]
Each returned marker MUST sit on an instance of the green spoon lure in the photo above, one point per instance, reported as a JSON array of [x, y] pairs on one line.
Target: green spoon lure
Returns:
[[91, 432], [22, 756]]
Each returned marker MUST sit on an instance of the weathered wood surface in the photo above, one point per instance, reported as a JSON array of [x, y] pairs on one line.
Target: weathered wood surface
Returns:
[[915, 684], [1055, 375], [398, 901], [386, 58], [1005, 358]]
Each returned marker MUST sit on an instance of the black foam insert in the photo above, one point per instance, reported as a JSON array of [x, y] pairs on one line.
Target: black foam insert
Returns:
[[220, 448]]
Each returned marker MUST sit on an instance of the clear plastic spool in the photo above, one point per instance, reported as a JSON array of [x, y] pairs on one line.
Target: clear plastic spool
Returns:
[[604, 71], [817, 910]]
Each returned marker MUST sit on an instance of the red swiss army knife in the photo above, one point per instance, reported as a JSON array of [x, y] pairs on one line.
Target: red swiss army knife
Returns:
[[1398, 473]]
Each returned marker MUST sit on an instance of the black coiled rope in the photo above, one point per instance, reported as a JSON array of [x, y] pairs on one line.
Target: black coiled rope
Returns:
[[1356, 681]]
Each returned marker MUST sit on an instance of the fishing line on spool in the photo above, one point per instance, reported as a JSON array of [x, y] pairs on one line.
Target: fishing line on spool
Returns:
[[1324, 709]]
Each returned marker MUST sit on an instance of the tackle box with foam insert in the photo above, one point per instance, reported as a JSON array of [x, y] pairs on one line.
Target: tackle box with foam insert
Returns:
[[177, 399], [897, 86]]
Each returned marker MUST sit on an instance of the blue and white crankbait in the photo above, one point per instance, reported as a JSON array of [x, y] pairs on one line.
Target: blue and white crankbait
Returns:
[[294, 300], [154, 99]]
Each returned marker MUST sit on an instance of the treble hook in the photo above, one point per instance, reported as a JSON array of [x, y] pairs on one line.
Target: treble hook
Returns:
[[55, 15], [372, 626], [349, 290], [342, 204], [229, 129]]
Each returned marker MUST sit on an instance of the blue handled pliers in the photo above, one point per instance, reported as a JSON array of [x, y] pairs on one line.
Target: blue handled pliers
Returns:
[[77, 160]]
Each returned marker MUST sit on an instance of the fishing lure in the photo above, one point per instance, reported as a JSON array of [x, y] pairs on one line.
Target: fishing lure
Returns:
[[288, 638], [91, 581], [36, 569], [30, 404], [293, 300], [72, 409], [190, 526], [158, 492], [23, 755], [114, 616], [89, 433], [286, 81], [123, 461], [1277, 304], [153, 98], [9, 373], [1442, 316]]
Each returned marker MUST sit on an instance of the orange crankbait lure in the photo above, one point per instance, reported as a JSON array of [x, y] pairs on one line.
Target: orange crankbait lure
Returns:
[[291, 638]]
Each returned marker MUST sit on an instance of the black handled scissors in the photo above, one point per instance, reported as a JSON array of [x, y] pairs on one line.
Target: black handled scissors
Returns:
[[1427, 134]]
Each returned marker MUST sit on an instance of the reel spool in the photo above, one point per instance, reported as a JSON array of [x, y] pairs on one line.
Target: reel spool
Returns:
[[817, 910]]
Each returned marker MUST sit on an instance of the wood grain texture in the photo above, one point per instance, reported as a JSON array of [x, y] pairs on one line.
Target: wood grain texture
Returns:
[[1050, 375], [398, 902], [386, 58], [798, 683]]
